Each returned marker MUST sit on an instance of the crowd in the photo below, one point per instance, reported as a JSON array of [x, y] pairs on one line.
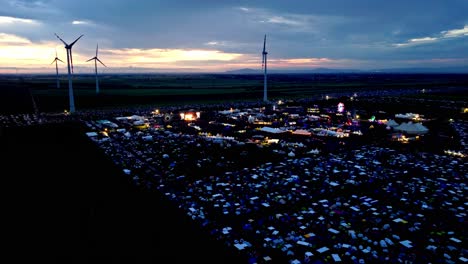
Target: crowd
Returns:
[[461, 127]]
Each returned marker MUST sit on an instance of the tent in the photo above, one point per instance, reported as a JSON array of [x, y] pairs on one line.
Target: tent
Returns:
[[302, 132], [272, 130], [91, 134], [412, 128], [392, 123]]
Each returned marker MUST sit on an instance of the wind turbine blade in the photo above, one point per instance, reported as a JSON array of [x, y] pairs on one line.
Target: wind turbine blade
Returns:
[[60, 60], [96, 50], [61, 39], [101, 62], [75, 41], [263, 60], [53, 61], [264, 43], [91, 59]]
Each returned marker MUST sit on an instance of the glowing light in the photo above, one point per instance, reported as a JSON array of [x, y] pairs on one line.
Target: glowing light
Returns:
[[340, 107], [455, 153], [189, 117]]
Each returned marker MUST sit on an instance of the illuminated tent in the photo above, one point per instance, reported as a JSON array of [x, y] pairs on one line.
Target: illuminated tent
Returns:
[[91, 134], [302, 132], [392, 123], [412, 128], [314, 151], [133, 117], [272, 130]]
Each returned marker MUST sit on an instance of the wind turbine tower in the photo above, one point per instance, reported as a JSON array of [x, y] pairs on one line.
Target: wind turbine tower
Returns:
[[56, 60], [96, 59], [68, 47], [264, 67]]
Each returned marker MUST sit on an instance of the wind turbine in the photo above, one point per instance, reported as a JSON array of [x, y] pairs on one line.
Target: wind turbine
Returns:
[[264, 67], [96, 59], [68, 47], [56, 60]]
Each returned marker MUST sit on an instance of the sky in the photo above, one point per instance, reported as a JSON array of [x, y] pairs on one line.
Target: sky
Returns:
[[220, 35]]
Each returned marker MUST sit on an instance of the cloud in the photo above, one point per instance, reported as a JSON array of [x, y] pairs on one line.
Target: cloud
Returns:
[[27, 7], [82, 22], [453, 33], [284, 21], [307, 63], [11, 21], [307, 60], [439, 61], [226, 44], [416, 41], [13, 39], [36, 57], [168, 55], [287, 22], [213, 43], [27, 4], [22, 52], [245, 9], [422, 40]]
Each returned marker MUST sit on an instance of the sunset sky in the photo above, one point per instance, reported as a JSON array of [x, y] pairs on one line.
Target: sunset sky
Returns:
[[220, 35]]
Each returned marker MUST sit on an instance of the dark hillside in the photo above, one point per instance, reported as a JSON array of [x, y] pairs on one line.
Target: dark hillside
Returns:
[[65, 198]]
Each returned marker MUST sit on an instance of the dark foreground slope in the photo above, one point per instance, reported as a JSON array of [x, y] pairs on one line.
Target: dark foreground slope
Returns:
[[66, 201]]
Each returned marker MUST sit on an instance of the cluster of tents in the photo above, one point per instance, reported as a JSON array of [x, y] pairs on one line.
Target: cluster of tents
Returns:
[[408, 127]]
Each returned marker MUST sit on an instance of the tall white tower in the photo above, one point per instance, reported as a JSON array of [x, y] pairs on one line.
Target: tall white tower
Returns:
[[264, 66], [68, 48]]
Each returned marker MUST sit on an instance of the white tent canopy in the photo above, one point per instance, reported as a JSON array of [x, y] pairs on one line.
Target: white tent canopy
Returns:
[[412, 128], [272, 130], [302, 132], [392, 123]]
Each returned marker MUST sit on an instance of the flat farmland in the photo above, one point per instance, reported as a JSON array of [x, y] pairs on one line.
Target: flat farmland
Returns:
[[126, 90]]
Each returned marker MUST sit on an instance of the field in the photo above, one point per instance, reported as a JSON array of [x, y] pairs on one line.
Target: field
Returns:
[[64, 190], [168, 89]]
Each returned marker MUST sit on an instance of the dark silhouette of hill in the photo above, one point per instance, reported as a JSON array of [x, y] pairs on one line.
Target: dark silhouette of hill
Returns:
[[67, 202]]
